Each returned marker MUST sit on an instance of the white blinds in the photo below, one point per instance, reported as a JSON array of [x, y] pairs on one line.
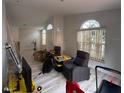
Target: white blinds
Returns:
[[44, 37], [92, 41]]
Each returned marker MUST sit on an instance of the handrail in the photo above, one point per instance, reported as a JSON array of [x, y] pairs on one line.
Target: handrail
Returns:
[[105, 68]]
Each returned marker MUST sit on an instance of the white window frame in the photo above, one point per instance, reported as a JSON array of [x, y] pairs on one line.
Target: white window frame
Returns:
[[92, 40]]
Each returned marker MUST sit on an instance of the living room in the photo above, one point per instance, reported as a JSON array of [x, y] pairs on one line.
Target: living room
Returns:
[[45, 24]]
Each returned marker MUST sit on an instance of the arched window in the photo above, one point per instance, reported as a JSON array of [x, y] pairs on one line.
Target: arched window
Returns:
[[43, 37], [90, 24], [50, 27], [91, 38]]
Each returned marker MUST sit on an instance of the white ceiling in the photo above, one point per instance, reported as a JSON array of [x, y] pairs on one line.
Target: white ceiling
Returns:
[[36, 12]]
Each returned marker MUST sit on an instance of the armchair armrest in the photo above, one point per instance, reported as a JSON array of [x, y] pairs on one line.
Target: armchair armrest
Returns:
[[67, 70], [68, 66], [68, 62]]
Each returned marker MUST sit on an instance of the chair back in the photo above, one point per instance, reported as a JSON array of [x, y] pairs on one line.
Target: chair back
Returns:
[[82, 54], [81, 59], [57, 50]]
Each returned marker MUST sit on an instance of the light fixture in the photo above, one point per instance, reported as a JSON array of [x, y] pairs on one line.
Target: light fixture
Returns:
[[61, 0]]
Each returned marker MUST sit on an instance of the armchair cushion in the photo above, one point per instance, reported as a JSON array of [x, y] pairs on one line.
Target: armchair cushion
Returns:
[[69, 66], [78, 61]]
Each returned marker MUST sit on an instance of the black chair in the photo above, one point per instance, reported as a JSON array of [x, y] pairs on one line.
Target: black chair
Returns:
[[48, 64], [57, 50], [77, 69]]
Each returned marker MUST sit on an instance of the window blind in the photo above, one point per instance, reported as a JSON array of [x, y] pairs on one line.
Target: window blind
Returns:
[[92, 41]]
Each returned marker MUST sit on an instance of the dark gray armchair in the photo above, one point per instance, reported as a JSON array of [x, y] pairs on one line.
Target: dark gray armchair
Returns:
[[77, 69]]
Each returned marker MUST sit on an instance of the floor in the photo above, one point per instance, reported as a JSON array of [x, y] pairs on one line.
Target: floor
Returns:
[[54, 82]]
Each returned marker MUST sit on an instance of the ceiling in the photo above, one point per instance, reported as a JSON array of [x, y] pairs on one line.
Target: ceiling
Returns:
[[36, 12]]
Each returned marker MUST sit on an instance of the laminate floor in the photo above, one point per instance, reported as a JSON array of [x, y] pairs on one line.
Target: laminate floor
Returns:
[[55, 82]]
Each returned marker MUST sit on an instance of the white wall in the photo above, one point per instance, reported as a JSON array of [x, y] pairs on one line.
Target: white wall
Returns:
[[15, 33], [111, 20], [54, 37], [26, 37], [4, 40], [58, 24]]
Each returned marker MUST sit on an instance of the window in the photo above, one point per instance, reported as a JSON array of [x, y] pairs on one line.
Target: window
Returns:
[[49, 27], [44, 37], [91, 38], [90, 24]]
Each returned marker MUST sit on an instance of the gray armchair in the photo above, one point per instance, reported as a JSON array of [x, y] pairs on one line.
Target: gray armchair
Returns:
[[77, 69]]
